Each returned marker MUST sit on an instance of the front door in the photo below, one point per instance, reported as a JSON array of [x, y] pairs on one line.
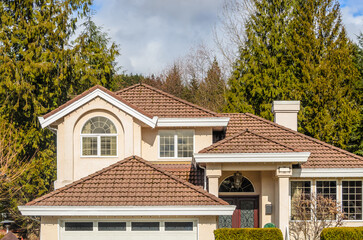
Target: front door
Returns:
[[245, 215]]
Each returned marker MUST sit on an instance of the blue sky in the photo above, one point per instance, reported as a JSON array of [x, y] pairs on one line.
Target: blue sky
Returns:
[[153, 33]]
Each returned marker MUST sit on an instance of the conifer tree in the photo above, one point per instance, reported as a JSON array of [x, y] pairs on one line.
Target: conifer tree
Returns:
[[40, 70], [298, 52], [261, 73], [210, 93]]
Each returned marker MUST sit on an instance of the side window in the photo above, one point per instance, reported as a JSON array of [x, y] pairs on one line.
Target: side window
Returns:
[[300, 196], [99, 138], [176, 144], [352, 199]]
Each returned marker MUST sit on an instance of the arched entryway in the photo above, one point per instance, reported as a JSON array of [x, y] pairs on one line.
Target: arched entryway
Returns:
[[246, 213]]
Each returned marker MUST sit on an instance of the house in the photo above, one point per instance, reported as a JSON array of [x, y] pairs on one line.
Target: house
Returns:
[[140, 163]]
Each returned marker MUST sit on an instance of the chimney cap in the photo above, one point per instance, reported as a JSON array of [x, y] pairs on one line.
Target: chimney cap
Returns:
[[285, 106]]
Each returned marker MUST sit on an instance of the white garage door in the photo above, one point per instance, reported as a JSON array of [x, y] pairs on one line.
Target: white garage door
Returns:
[[130, 230]]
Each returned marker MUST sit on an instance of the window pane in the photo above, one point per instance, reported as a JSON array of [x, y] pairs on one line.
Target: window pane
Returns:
[[166, 144], [89, 147], [79, 226], [352, 200], [185, 144], [178, 226], [300, 200], [326, 189], [111, 226], [108, 146], [326, 199], [145, 226], [98, 125]]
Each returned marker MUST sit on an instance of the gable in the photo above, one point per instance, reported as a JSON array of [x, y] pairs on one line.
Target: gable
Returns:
[[322, 155]]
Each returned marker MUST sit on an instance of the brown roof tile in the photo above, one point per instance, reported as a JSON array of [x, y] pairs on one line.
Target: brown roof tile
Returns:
[[322, 155], [162, 104], [130, 182], [185, 172], [85, 93], [248, 142]]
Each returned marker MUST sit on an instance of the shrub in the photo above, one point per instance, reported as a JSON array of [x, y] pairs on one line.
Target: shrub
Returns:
[[1, 235], [248, 234], [342, 233]]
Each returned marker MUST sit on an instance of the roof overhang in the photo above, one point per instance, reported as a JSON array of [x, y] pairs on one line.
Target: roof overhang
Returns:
[[290, 157], [193, 122], [327, 172], [105, 96], [127, 211]]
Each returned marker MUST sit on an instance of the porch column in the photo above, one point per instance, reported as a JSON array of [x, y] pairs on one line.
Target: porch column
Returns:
[[283, 174], [213, 173]]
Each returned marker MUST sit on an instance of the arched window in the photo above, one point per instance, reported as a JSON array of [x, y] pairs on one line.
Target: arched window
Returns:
[[236, 183], [99, 137]]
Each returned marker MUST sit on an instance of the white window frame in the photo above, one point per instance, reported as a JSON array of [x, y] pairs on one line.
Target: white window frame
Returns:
[[176, 143], [290, 196], [341, 197], [98, 135]]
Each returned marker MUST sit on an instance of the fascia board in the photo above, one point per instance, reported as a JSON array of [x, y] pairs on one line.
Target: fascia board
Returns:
[[98, 93], [327, 172], [193, 122], [298, 157], [127, 211]]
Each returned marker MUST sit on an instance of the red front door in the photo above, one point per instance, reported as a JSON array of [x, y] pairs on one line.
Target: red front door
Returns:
[[245, 215]]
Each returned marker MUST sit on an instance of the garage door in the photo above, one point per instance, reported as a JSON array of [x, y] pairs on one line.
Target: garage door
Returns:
[[130, 230]]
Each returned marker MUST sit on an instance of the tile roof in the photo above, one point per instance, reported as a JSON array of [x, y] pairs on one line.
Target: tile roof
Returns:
[[85, 93], [248, 142], [185, 172], [162, 104], [323, 155], [10, 236], [130, 182]]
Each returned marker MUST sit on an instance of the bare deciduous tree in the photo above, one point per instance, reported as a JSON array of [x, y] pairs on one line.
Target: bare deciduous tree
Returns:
[[311, 214], [229, 34]]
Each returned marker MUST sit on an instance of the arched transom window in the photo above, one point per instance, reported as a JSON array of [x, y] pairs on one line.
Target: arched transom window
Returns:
[[236, 183], [99, 137]]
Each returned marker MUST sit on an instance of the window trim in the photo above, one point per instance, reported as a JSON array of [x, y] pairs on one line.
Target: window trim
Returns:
[[312, 184], [175, 143], [341, 197], [99, 135]]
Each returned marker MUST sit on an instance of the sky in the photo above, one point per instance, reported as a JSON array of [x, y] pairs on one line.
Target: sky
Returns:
[[152, 34]]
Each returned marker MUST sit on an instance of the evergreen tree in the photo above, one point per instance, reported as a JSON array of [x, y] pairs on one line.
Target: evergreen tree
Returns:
[[210, 93], [356, 140], [40, 70], [261, 73], [173, 82], [298, 52], [327, 77]]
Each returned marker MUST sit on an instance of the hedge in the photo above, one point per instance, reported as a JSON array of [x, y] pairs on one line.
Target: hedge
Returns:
[[248, 234], [342, 233]]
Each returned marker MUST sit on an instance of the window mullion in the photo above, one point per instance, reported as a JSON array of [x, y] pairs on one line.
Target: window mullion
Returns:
[[98, 145], [176, 144]]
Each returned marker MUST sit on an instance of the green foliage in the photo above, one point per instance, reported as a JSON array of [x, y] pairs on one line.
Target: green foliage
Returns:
[[298, 50], [342, 233], [41, 69], [210, 92], [248, 234], [356, 140]]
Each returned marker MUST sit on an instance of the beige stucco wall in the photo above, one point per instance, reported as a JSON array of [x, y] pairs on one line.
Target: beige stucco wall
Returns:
[[203, 137], [70, 165], [50, 228]]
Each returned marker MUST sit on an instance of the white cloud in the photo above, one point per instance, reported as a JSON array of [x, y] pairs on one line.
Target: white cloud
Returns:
[[153, 33], [353, 21]]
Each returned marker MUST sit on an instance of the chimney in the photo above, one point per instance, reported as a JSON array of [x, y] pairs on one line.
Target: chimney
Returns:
[[285, 113]]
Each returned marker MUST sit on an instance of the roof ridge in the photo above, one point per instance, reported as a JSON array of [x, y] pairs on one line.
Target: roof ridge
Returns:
[[170, 96], [90, 90], [202, 191], [133, 157], [305, 136], [242, 133]]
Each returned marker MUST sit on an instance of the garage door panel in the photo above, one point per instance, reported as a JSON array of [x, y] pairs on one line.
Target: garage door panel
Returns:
[[171, 230]]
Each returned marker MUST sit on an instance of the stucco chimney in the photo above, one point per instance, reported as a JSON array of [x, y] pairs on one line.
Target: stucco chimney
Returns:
[[285, 113]]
